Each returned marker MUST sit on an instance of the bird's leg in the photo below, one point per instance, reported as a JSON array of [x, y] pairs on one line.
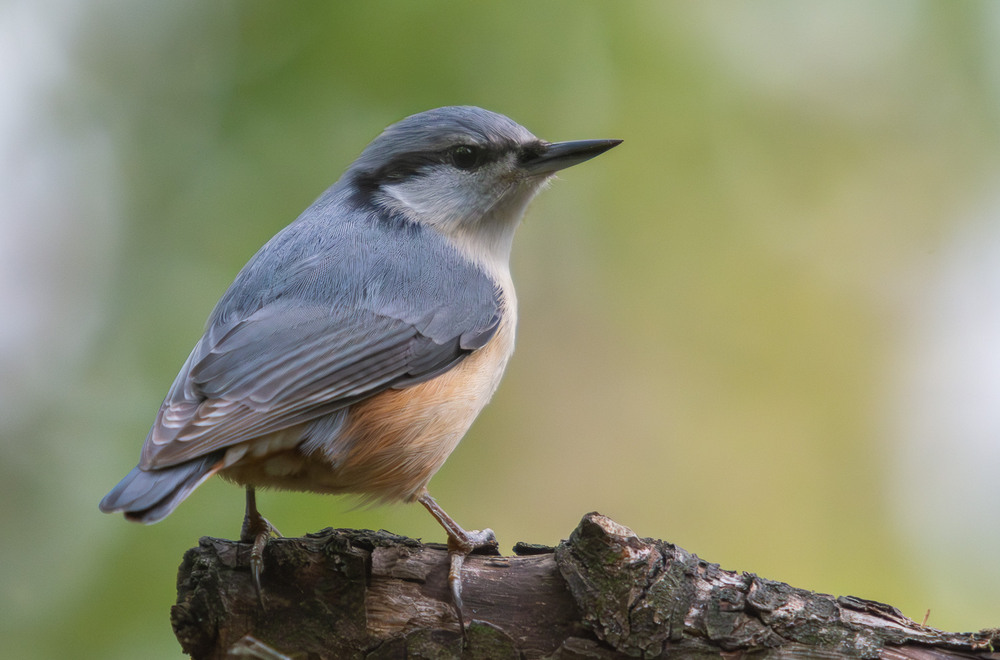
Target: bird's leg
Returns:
[[257, 530], [460, 544]]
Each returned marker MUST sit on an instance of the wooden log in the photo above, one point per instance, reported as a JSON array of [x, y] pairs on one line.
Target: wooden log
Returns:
[[604, 593]]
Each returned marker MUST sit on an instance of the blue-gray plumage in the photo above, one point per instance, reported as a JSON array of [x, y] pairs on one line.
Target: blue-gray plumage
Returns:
[[355, 349]]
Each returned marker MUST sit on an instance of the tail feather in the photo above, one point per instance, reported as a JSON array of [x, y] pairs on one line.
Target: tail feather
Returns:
[[148, 496]]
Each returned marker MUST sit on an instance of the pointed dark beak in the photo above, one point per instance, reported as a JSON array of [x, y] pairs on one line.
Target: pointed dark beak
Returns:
[[560, 155]]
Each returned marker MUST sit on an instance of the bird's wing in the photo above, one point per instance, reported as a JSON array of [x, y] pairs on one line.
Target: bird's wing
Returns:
[[289, 362]]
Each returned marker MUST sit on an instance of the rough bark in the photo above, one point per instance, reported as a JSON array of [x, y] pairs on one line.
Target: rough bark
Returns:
[[604, 593]]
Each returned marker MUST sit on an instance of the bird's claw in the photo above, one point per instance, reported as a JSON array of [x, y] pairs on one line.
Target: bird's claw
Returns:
[[257, 557], [468, 541], [460, 544], [256, 530]]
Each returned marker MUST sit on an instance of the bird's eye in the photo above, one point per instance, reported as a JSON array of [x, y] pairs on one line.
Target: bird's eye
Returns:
[[465, 157]]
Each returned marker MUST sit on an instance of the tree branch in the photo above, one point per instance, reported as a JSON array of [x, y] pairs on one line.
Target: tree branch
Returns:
[[604, 593]]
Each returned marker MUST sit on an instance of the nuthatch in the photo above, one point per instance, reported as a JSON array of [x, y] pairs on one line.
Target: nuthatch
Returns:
[[356, 348]]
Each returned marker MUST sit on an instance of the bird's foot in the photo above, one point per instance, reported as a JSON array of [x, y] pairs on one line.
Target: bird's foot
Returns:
[[460, 543], [459, 547], [256, 530]]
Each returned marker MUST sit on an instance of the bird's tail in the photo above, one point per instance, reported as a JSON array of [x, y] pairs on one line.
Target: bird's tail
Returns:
[[148, 496]]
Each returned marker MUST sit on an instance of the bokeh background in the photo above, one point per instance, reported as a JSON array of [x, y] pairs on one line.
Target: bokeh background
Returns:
[[765, 328]]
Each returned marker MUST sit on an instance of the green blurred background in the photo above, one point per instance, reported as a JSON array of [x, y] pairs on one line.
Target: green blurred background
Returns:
[[766, 328]]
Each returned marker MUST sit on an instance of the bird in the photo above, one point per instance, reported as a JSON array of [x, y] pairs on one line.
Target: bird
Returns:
[[355, 349]]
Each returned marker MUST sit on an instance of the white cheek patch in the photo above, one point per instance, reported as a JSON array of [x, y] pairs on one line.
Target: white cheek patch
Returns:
[[441, 197]]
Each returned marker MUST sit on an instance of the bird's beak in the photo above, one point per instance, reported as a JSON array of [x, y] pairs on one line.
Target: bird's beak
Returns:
[[560, 155]]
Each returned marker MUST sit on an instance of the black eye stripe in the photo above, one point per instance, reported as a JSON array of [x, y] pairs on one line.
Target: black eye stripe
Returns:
[[400, 168], [406, 165], [530, 152]]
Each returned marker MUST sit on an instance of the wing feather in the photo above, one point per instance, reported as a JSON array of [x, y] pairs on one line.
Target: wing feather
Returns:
[[245, 389]]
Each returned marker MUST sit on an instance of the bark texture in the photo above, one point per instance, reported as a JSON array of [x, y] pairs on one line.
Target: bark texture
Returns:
[[605, 593]]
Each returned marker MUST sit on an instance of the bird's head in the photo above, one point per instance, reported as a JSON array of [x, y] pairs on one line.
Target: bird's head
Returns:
[[466, 172]]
